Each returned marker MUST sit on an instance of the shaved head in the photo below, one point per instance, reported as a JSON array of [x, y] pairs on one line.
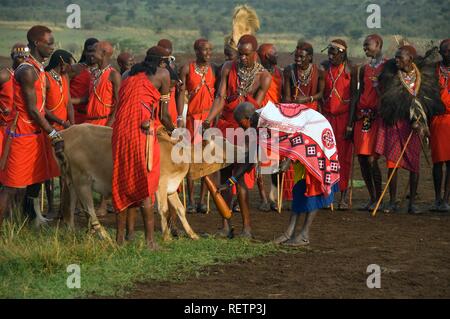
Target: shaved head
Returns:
[[410, 50], [265, 48], [124, 57], [106, 48], [166, 44], [199, 42], [377, 38], [249, 39], [36, 33], [244, 111]]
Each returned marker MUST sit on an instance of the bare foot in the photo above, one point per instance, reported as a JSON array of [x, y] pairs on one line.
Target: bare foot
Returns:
[[130, 236], [246, 233], [281, 239], [297, 241], [151, 245]]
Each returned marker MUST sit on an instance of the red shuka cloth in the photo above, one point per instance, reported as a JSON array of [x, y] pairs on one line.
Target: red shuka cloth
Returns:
[[6, 103], [227, 120], [308, 90], [365, 137], [131, 182], [79, 87], [173, 112], [101, 99], [57, 99], [274, 92], [28, 161], [201, 97], [336, 109], [440, 124]]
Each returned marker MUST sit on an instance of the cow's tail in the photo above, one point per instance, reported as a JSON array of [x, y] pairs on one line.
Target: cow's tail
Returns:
[[64, 167]]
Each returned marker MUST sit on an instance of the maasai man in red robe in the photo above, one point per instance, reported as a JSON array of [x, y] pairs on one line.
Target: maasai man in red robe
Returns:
[[198, 78], [409, 98], [364, 118], [304, 81], [80, 81], [125, 60], [104, 87], [303, 84], [7, 111], [58, 109], [440, 127], [25, 158], [268, 56], [241, 81], [135, 158], [336, 108], [174, 80]]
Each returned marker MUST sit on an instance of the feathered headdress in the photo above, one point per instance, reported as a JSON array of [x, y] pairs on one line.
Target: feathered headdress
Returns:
[[245, 21]]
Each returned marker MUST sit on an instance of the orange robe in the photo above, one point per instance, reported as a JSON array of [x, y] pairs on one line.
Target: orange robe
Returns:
[[101, 98], [368, 122], [79, 87], [57, 99], [28, 156], [227, 120], [173, 112], [298, 89], [131, 181], [201, 97], [274, 92], [440, 124], [336, 108], [6, 103], [56, 102]]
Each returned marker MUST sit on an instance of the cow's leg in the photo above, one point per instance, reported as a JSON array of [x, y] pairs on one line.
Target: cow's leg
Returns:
[[84, 192], [68, 204], [163, 209], [50, 192], [175, 201], [149, 223], [102, 209], [6, 194]]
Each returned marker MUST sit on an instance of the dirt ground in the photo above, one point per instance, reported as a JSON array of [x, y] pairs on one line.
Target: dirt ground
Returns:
[[412, 251]]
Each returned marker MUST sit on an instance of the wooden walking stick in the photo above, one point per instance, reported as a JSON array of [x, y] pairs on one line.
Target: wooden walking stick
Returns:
[[208, 197], [42, 196], [280, 202], [351, 179], [392, 174], [278, 191]]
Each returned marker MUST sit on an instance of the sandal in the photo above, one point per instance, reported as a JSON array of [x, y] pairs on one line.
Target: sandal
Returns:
[[281, 239]]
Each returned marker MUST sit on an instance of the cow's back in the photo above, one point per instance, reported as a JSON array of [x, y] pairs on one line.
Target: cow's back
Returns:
[[88, 150]]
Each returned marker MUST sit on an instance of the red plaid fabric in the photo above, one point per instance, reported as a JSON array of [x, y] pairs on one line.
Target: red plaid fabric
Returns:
[[391, 140], [131, 182]]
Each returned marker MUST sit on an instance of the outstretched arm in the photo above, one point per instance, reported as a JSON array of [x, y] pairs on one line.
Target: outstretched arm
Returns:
[[219, 102]]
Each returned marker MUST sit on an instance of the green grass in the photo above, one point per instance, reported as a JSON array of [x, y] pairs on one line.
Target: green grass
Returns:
[[33, 262]]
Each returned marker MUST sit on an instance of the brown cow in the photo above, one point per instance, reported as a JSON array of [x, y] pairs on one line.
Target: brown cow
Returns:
[[88, 165]]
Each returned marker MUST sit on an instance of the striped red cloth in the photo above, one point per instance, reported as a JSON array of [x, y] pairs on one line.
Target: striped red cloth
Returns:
[[391, 140], [131, 182]]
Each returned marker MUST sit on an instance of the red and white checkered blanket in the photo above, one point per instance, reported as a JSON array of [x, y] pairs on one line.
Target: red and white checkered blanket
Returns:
[[304, 135]]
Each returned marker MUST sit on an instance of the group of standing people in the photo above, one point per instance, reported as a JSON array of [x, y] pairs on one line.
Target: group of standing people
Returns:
[[376, 109]]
